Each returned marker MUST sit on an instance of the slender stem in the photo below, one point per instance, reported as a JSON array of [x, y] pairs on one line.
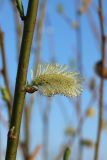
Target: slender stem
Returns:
[[51, 41], [46, 130], [101, 88], [18, 27], [40, 26], [37, 59], [5, 75], [13, 135], [94, 27], [80, 67]]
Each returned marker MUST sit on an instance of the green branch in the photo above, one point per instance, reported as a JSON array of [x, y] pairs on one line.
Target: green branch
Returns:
[[13, 135]]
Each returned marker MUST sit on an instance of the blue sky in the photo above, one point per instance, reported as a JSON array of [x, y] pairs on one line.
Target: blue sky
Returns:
[[65, 51]]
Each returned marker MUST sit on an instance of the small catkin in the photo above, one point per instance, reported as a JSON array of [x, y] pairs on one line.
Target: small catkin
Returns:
[[52, 79]]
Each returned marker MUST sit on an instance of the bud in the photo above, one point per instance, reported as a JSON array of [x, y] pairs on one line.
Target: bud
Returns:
[[67, 154], [60, 9], [87, 143], [104, 125], [90, 112], [5, 94], [92, 84], [70, 131], [74, 24]]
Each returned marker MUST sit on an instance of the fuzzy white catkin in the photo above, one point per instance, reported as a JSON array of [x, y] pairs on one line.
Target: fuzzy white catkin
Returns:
[[52, 79]]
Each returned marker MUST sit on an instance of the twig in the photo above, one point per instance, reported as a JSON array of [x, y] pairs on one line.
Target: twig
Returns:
[[17, 27], [51, 40], [93, 27], [80, 67], [4, 71], [35, 153], [3, 121], [13, 135], [40, 25], [45, 119], [101, 88]]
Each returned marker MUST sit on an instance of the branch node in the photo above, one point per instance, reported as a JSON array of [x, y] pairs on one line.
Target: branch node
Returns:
[[12, 134]]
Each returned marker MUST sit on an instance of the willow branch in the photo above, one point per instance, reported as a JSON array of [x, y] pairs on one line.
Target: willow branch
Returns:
[[80, 67], [101, 88], [35, 152], [28, 107], [94, 28], [13, 135], [40, 25], [46, 115], [17, 26], [4, 71]]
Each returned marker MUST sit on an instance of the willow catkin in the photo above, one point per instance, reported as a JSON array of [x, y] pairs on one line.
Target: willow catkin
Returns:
[[52, 79]]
